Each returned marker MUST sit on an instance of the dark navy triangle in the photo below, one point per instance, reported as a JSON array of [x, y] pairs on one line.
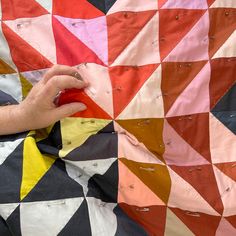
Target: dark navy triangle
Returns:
[[103, 5], [11, 175], [55, 184], [13, 222], [105, 187], [79, 223], [5, 99], [4, 230]]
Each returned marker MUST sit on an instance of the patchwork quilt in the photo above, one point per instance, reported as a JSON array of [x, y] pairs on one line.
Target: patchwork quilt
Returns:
[[155, 152]]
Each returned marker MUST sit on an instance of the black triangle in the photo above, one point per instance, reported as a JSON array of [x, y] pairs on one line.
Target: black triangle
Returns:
[[103, 5], [4, 230], [55, 184], [79, 223], [11, 175], [105, 187], [13, 221]]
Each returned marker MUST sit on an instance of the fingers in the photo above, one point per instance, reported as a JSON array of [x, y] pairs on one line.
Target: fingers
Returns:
[[68, 110], [61, 70]]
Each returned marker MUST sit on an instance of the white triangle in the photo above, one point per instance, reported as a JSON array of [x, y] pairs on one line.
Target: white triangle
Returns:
[[225, 228], [227, 189], [222, 142], [34, 76], [47, 218], [182, 190], [224, 4], [38, 33], [6, 148], [146, 103], [144, 48], [7, 209], [47, 4], [228, 49], [102, 218]]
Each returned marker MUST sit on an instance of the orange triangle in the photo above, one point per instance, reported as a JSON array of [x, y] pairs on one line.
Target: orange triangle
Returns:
[[152, 218], [92, 111], [13, 9], [180, 22], [147, 131], [155, 176], [197, 126], [221, 27], [176, 76], [126, 82], [196, 176], [5, 68], [221, 68], [198, 223], [70, 50], [25, 57], [81, 9], [228, 168], [122, 28]]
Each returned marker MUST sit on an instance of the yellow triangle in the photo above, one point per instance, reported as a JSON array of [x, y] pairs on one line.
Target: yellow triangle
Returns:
[[35, 165], [75, 131], [26, 86]]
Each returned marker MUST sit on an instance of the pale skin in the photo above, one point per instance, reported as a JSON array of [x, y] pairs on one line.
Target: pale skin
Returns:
[[38, 110]]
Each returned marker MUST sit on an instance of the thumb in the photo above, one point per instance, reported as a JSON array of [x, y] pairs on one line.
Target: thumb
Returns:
[[69, 109]]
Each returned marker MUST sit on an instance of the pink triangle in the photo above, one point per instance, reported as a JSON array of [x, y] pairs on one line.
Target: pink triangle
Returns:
[[92, 32], [177, 151], [225, 228], [194, 46], [195, 98], [187, 4], [133, 191]]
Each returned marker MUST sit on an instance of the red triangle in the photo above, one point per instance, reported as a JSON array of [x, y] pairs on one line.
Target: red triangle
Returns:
[[194, 129], [198, 223], [13, 9], [210, 2], [221, 68], [70, 50], [232, 220], [126, 82], [81, 9], [92, 111], [161, 3], [176, 76], [152, 218], [180, 22], [228, 168], [221, 27], [197, 176], [122, 28], [25, 57]]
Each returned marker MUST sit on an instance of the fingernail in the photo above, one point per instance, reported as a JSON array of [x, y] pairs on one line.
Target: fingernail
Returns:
[[82, 106], [77, 76]]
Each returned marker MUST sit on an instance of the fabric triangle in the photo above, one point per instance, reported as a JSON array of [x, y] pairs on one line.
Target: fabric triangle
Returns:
[[225, 228], [131, 190], [210, 2], [161, 3], [33, 31], [34, 76], [13, 221], [75, 131], [148, 132], [177, 151], [148, 46], [150, 107], [195, 176], [186, 18], [176, 76], [197, 126], [223, 4], [129, 5], [5, 68], [228, 49], [70, 50], [103, 5], [197, 92], [222, 142], [75, 9], [232, 220], [46, 4], [78, 223], [24, 56], [33, 168], [195, 221], [174, 226], [120, 22], [7, 209], [26, 86], [126, 82], [194, 45], [228, 169], [58, 211], [182, 190], [92, 32], [186, 4], [155, 177], [21, 9], [221, 68], [145, 216], [221, 27]]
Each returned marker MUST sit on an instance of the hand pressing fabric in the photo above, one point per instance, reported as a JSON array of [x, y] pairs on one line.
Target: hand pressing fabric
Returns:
[[39, 109]]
